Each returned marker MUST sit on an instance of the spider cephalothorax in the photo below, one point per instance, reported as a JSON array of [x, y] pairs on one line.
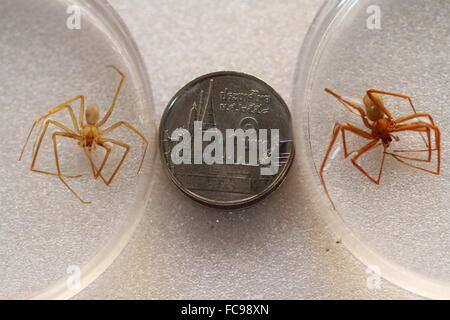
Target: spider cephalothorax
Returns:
[[90, 132]]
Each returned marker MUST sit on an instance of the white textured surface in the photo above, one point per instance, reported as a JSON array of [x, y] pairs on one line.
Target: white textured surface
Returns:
[[278, 249], [44, 228]]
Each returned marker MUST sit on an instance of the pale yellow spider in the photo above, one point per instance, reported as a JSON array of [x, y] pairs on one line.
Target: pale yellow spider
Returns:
[[88, 135]]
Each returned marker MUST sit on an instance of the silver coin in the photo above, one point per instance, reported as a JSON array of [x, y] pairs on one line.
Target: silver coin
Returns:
[[226, 107]]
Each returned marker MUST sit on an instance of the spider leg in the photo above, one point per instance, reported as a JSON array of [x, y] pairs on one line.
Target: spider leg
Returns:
[[94, 168], [395, 95], [55, 149], [116, 94], [38, 135], [53, 111], [421, 126], [38, 146], [97, 172], [105, 159], [340, 127], [129, 126], [429, 149], [127, 150], [89, 156], [351, 106], [363, 150], [411, 158], [400, 159], [415, 116]]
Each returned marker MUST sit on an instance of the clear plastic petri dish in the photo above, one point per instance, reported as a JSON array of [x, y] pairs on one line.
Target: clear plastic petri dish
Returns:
[[52, 245], [400, 228]]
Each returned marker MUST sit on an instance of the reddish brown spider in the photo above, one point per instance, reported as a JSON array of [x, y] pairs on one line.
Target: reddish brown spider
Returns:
[[382, 127], [88, 136]]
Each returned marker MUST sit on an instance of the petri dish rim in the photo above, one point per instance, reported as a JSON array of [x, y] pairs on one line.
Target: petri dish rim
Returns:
[[110, 23], [307, 62]]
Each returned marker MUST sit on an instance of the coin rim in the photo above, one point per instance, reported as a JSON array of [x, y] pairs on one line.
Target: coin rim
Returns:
[[243, 203]]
